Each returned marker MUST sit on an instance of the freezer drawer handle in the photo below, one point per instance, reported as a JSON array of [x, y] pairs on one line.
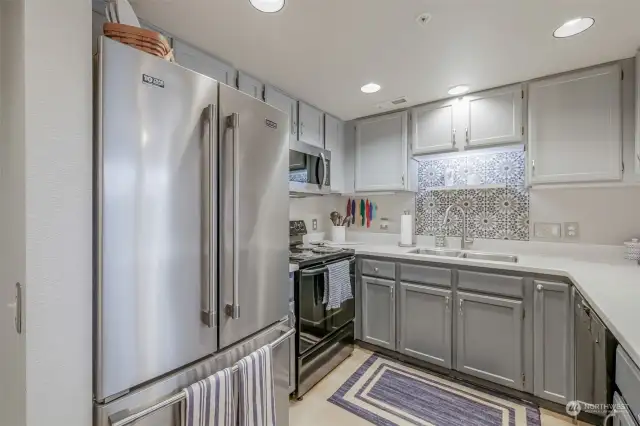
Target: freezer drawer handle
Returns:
[[208, 315], [233, 123], [181, 396]]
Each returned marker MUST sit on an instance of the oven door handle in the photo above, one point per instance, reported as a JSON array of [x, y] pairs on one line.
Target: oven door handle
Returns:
[[318, 271]]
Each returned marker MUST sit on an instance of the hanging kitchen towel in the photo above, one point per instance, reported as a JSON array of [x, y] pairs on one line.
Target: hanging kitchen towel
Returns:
[[353, 211], [362, 212], [209, 402], [338, 288], [256, 400]]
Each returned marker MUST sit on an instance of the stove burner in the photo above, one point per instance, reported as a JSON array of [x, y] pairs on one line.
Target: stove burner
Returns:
[[326, 250]]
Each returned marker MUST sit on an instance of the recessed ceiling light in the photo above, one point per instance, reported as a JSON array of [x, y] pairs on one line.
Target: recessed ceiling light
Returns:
[[573, 27], [458, 90], [268, 6], [370, 88]]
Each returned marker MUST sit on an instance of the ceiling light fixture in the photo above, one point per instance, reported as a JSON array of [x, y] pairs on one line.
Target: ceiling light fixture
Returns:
[[573, 27], [268, 6], [370, 88], [458, 90]]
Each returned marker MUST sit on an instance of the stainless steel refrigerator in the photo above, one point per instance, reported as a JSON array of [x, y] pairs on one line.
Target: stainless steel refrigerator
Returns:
[[191, 231]]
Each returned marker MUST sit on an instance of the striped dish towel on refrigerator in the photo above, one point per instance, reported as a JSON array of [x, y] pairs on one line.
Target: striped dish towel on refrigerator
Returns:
[[209, 402], [337, 287], [256, 399]]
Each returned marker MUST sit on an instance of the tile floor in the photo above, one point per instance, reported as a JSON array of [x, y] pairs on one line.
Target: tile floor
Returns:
[[315, 410]]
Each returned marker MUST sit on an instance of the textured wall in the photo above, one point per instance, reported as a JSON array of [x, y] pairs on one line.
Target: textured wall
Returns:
[[58, 163]]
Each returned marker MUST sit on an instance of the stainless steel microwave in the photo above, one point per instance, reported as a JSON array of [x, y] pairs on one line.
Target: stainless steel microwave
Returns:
[[309, 169]]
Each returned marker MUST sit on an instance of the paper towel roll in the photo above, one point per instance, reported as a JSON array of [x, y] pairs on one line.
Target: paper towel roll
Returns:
[[406, 229]]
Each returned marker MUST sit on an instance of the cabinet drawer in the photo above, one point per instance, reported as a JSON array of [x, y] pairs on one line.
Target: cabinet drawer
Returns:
[[426, 275], [376, 268], [628, 380], [491, 283]]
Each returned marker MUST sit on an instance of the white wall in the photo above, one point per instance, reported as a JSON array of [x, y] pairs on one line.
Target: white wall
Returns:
[[46, 189], [12, 212], [58, 162]]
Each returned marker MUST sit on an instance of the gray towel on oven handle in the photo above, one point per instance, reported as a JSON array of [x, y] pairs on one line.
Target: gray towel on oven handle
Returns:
[[337, 288]]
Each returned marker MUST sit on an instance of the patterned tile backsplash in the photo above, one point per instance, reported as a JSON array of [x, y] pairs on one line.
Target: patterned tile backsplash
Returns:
[[495, 213]]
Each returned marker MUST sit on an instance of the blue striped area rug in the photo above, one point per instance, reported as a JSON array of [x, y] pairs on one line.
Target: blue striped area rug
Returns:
[[388, 393]]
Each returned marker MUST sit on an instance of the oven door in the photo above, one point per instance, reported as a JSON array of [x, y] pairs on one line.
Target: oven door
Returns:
[[309, 169], [315, 322]]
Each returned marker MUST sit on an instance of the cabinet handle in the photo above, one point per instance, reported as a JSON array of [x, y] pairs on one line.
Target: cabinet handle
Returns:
[[466, 135], [638, 157], [446, 302], [293, 122], [454, 137], [461, 301], [533, 167], [540, 287], [403, 179], [376, 269], [18, 317]]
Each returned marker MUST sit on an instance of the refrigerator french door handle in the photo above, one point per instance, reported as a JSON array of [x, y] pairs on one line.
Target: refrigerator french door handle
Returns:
[[208, 315], [232, 122]]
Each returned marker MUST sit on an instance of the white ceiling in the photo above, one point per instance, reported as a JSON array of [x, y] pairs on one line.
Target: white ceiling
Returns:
[[323, 51]]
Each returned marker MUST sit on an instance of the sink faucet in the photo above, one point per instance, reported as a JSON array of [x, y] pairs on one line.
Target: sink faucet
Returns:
[[465, 239]]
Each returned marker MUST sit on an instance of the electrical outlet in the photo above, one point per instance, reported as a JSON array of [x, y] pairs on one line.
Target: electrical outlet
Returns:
[[571, 230], [547, 230], [314, 224]]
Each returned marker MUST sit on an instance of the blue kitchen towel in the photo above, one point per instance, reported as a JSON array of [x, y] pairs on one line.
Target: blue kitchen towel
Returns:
[[256, 399], [209, 402], [338, 288]]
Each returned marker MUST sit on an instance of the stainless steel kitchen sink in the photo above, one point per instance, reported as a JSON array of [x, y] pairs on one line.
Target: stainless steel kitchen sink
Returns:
[[438, 252], [489, 256]]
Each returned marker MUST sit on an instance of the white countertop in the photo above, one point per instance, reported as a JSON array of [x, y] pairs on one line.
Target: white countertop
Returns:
[[610, 285], [293, 267]]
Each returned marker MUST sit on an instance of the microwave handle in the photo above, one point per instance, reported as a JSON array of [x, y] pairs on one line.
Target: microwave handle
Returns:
[[324, 169]]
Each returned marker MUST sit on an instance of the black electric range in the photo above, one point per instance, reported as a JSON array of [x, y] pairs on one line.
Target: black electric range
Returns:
[[324, 337]]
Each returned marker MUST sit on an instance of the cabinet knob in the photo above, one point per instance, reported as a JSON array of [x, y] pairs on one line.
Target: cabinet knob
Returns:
[[540, 287], [466, 135], [454, 137]]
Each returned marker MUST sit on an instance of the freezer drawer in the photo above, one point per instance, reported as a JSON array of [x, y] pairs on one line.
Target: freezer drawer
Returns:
[[106, 414]]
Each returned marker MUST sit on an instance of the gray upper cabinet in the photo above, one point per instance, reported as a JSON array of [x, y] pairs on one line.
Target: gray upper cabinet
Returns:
[[198, 61], [494, 116], [575, 127], [425, 323], [311, 125], [553, 342], [433, 127], [490, 338], [381, 153], [379, 312], [249, 85], [334, 142], [286, 104]]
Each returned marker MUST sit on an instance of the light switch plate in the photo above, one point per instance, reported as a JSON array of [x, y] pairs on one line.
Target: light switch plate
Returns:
[[314, 224], [549, 231], [571, 230]]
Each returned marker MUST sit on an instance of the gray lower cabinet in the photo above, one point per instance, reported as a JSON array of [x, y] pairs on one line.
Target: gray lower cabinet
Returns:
[[622, 417], [490, 338], [425, 323], [553, 342], [379, 312]]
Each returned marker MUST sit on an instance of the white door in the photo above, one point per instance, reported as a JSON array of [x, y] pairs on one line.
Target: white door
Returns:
[[495, 116], [194, 59], [575, 127], [311, 125], [382, 153], [333, 140], [250, 85], [286, 104], [433, 127]]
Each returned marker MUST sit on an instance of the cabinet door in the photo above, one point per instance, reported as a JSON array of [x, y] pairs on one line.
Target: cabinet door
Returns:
[[433, 127], [575, 127], [637, 157], [553, 342], [286, 104], [379, 312], [495, 116], [333, 141], [198, 61], [382, 153], [425, 323], [311, 125], [490, 339], [250, 85]]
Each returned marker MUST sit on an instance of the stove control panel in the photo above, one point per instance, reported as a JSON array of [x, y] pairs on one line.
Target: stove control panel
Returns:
[[297, 227]]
